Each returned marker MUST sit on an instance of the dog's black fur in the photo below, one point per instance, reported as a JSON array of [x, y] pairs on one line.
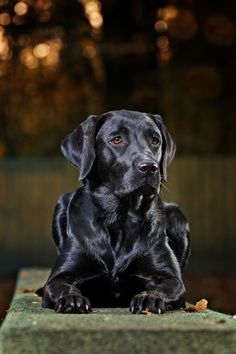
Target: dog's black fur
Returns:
[[118, 243]]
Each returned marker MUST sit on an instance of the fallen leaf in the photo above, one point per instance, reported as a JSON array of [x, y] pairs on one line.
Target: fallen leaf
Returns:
[[25, 290], [24, 274], [147, 313], [220, 321], [200, 306]]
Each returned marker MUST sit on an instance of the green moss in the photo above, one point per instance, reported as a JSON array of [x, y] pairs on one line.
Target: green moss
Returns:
[[30, 329]]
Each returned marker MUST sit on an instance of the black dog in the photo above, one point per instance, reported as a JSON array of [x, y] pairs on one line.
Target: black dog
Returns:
[[118, 243]]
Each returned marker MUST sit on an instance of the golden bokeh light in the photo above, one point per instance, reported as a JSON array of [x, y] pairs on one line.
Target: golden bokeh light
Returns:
[[46, 54], [3, 47], [5, 19], [21, 8], [18, 20], [161, 26], [5, 52], [3, 149], [89, 51], [92, 6], [202, 82], [164, 56], [167, 13], [183, 26], [220, 30], [55, 44], [2, 31], [50, 52], [92, 10], [28, 59], [51, 60], [96, 20], [41, 50], [43, 4], [163, 42]]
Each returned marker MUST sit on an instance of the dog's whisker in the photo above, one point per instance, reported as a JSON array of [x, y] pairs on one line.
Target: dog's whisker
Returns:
[[164, 186]]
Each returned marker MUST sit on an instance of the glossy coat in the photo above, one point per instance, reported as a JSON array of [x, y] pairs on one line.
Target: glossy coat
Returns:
[[118, 243]]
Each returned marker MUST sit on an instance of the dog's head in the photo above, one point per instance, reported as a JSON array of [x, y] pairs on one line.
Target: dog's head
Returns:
[[128, 150]]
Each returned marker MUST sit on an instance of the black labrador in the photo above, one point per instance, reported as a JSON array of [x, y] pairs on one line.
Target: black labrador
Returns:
[[119, 245]]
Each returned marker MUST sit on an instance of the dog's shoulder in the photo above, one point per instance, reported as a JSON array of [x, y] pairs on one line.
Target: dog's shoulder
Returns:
[[174, 212]]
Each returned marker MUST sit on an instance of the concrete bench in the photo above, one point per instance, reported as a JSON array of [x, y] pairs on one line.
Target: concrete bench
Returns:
[[30, 329]]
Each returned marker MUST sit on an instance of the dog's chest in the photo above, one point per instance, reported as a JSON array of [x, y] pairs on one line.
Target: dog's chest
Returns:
[[126, 243]]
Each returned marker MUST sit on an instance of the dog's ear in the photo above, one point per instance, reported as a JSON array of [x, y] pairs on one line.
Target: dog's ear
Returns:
[[78, 146], [168, 147]]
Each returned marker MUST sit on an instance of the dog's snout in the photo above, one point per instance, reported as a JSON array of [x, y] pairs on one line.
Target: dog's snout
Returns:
[[147, 167]]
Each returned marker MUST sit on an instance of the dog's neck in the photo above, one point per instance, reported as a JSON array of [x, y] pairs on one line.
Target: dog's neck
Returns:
[[112, 206]]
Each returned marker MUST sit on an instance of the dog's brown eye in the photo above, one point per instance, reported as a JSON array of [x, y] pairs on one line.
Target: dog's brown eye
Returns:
[[117, 140], [155, 141]]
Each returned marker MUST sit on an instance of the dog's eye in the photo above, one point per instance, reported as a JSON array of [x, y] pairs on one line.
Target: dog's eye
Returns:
[[117, 140], [155, 141]]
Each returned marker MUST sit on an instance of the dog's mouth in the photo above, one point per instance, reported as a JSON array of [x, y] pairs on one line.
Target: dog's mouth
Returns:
[[146, 187], [146, 190]]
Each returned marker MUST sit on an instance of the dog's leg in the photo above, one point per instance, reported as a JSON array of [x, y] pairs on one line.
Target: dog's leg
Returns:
[[63, 296], [59, 223], [164, 289], [177, 230], [62, 289], [162, 295]]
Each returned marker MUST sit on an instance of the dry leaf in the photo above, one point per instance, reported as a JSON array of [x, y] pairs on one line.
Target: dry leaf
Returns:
[[25, 290], [220, 321], [147, 313], [200, 306], [24, 274]]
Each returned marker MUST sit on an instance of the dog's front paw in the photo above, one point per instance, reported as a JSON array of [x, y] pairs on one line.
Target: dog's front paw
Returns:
[[147, 301], [73, 304]]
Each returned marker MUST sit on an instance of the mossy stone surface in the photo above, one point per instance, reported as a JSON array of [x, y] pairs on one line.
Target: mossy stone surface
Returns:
[[28, 328]]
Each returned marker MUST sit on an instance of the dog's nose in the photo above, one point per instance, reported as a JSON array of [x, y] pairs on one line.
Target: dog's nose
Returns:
[[147, 166]]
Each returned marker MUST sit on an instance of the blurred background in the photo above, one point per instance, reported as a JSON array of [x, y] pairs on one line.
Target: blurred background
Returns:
[[63, 60]]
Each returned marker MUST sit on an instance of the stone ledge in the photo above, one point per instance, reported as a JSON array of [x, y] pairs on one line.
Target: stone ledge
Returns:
[[30, 329]]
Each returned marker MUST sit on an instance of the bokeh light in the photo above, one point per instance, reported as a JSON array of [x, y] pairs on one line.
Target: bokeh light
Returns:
[[5, 51], [161, 26], [5, 19], [202, 82], [83, 45], [168, 13], [220, 30], [21, 8], [3, 149], [18, 20], [89, 51], [28, 59], [183, 26], [92, 10], [163, 42], [41, 50]]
